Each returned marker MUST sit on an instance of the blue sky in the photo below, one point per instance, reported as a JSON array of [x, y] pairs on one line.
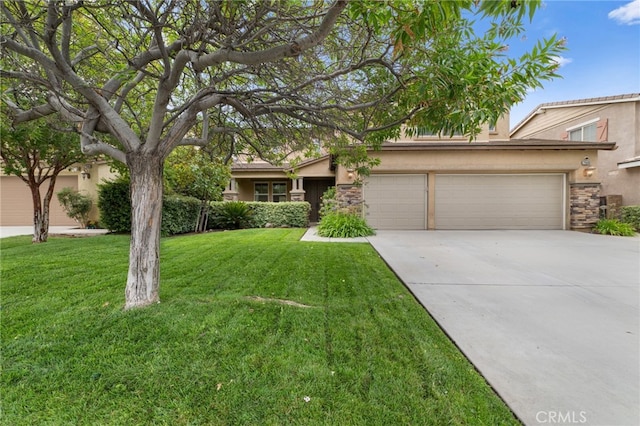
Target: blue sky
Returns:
[[603, 56]]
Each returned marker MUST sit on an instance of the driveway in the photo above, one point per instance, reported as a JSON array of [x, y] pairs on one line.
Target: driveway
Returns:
[[550, 318]]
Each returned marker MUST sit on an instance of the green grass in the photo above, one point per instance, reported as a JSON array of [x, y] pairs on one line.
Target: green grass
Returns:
[[363, 352]]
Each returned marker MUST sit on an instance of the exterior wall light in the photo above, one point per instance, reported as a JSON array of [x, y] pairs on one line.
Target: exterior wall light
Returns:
[[586, 162], [85, 172]]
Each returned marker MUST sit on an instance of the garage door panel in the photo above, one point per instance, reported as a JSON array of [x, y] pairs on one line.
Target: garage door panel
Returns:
[[499, 201], [16, 206], [396, 201]]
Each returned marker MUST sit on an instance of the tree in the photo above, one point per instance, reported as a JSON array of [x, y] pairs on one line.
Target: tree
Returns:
[[197, 173], [36, 152], [261, 77]]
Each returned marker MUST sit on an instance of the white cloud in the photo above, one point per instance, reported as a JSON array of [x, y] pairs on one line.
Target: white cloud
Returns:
[[562, 61], [628, 14]]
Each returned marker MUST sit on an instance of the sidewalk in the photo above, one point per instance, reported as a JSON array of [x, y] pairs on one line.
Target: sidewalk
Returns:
[[312, 235], [12, 231]]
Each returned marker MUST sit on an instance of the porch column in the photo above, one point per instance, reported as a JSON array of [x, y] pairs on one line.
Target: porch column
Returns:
[[297, 191], [231, 191]]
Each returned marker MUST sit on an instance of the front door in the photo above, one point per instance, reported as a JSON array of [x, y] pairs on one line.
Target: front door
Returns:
[[314, 188]]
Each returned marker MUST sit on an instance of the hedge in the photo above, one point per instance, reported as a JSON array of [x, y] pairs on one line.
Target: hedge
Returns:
[[631, 215], [179, 214], [294, 214]]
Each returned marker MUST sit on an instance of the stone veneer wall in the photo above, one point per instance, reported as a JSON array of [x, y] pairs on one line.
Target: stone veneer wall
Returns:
[[350, 197], [585, 205]]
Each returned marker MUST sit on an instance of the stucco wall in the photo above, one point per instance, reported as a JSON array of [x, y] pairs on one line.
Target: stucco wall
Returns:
[[623, 129]]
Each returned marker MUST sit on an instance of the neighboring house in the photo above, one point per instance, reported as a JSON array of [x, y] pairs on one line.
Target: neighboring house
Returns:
[[606, 119], [16, 206], [429, 182]]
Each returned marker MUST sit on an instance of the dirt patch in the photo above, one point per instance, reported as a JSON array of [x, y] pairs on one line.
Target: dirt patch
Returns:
[[280, 301]]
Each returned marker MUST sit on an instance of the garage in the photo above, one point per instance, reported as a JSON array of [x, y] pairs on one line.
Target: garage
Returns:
[[499, 201], [16, 207], [396, 201]]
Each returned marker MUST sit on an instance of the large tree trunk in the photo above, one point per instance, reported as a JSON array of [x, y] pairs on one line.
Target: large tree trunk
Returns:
[[40, 217], [143, 281]]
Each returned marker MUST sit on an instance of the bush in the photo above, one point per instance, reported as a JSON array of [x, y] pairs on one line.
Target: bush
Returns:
[[293, 214], [329, 202], [289, 214], [76, 205], [231, 215], [179, 214], [114, 203], [343, 225], [614, 227], [631, 215]]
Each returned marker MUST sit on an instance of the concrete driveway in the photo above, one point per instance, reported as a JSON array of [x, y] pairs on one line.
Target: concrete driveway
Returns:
[[550, 318]]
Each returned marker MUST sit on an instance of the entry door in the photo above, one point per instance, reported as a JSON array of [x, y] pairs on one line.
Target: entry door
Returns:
[[314, 188]]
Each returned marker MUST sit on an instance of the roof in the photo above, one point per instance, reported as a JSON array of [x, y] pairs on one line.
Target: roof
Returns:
[[628, 97], [513, 144], [268, 167]]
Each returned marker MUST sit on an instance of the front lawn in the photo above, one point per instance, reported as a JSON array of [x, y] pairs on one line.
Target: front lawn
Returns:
[[255, 327]]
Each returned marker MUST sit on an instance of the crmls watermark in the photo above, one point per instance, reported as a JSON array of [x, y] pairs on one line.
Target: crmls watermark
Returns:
[[555, 417]]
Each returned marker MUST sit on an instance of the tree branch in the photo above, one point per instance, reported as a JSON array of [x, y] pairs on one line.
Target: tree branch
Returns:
[[275, 53]]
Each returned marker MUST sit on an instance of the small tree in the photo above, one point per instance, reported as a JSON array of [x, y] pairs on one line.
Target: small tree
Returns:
[[37, 152], [76, 205], [195, 173]]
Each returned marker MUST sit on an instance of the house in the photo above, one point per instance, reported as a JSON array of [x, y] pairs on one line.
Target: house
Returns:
[[16, 206], [430, 182], [600, 120]]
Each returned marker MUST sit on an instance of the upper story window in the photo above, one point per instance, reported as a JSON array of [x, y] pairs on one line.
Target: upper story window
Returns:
[[492, 128], [426, 132], [585, 132]]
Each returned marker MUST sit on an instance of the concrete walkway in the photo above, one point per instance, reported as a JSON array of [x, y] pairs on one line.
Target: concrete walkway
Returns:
[[12, 231], [550, 318]]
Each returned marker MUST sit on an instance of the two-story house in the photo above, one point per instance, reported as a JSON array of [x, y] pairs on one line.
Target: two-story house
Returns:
[[430, 182], [599, 120]]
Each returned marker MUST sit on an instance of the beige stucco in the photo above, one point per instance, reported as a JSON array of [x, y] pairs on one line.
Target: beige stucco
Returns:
[[95, 173], [499, 133], [622, 113], [500, 161]]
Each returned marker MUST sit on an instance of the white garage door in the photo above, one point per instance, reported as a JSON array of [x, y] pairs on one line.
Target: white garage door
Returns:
[[16, 206], [500, 201], [396, 201]]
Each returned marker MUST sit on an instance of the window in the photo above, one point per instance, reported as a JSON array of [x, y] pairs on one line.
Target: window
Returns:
[[261, 192], [426, 132], [586, 132], [492, 128], [279, 192], [270, 191]]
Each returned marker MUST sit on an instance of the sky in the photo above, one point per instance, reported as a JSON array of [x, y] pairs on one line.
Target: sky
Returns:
[[603, 56]]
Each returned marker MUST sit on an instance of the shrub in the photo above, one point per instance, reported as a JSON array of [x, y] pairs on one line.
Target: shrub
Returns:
[[114, 203], [343, 225], [293, 214], [232, 215], [631, 215], [614, 227], [329, 202], [289, 214], [76, 205], [179, 214]]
